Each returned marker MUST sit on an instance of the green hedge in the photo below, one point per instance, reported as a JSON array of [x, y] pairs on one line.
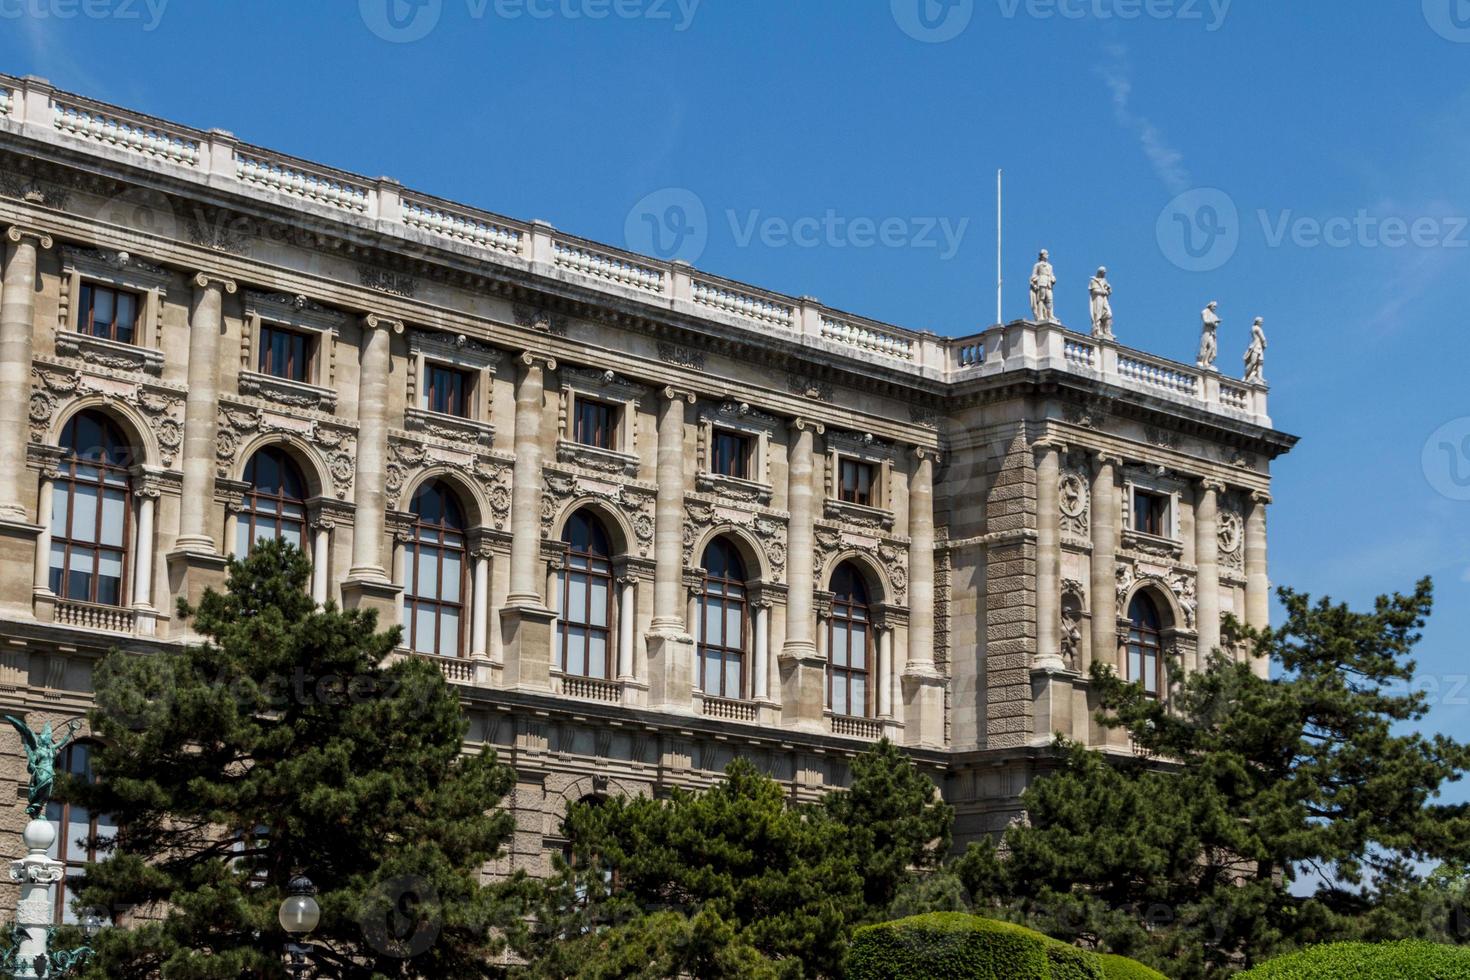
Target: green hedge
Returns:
[[958, 946], [1122, 968], [1408, 960]]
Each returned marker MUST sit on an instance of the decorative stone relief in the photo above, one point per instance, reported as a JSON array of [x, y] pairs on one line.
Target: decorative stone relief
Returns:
[[1073, 496], [542, 321], [54, 386], [1073, 603], [1163, 438], [1092, 414], [387, 281], [685, 357], [336, 444], [407, 457], [701, 516], [891, 553], [1180, 584], [1232, 538], [802, 384], [560, 489]]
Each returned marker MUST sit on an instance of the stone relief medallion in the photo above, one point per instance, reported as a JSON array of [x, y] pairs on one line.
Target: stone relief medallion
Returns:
[[1231, 532], [1072, 493]]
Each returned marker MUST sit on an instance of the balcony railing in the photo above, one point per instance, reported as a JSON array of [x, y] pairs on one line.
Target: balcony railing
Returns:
[[868, 729], [728, 709], [588, 688], [36, 110], [94, 616]]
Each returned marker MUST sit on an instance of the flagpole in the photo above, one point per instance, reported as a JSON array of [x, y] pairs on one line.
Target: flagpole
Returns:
[[998, 278]]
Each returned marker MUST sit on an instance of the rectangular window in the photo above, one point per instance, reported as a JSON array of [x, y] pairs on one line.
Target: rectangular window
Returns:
[[731, 455], [107, 312], [447, 390], [596, 424], [285, 354], [1151, 513], [857, 482]]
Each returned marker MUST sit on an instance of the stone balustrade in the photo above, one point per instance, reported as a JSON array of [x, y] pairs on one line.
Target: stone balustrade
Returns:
[[34, 109], [713, 707], [91, 616], [868, 729], [588, 689]]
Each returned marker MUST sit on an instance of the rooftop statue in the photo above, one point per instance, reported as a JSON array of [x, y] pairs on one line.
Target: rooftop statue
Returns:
[[1101, 291], [1255, 354], [1209, 346], [1042, 281]]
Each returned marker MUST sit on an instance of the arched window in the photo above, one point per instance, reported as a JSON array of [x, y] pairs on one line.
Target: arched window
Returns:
[[433, 595], [722, 630], [90, 511], [275, 504], [585, 628], [1145, 663], [77, 831], [849, 644]]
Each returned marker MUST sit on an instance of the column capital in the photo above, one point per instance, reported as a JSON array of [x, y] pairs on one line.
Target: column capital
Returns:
[[374, 321], [678, 394], [1261, 497], [1049, 443], [803, 424], [204, 280], [1102, 459], [1209, 483], [529, 358], [18, 233], [930, 453]]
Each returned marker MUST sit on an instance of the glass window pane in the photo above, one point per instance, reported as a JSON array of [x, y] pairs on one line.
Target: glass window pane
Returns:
[[859, 655], [839, 696], [291, 534], [732, 625], [242, 536], [59, 499], [597, 655], [734, 687], [428, 567], [599, 601], [79, 580], [114, 507], [576, 611], [84, 514], [712, 619], [102, 310], [859, 704], [78, 828], [576, 650], [839, 642], [423, 638], [449, 633], [453, 576]]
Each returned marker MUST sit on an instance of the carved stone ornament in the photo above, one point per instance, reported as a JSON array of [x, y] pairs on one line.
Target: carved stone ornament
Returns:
[[702, 516], [1180, 584], [540, 320], [681, 356], [1071, 625], [1232, 538], [56, 385], [563, 489], [1072, 495], [335, 445], [491, 473]]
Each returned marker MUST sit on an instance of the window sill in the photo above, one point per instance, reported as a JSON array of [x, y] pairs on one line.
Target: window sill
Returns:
[[860, 515], [734, 488], [109, 353], [1152, 544], [449, 427], [296, 394], [593, 458]]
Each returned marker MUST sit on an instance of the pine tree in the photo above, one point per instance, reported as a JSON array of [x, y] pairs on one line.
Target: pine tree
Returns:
[[1257, 790], [284, 745]]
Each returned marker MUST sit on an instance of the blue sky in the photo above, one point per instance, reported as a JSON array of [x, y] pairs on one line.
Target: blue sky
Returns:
[[1336, 135]]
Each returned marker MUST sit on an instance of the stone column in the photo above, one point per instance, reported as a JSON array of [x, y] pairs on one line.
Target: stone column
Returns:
[[45, 504], [1207, 559], [923, 684], [143, 554], [627, 620], [201, 413], [803, 670], [368, 584], [1103, 592], [884, 700], [320, 552], [480, 611], [1048, 556], [17, 329], [1257, 584], [761, 681], [525, 621], [670, 645]]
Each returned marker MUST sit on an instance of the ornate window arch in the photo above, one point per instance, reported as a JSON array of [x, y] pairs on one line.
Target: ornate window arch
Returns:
[[1145, 662], [77, 831], [91, 511], [724, 622], [274, 505], [584, 603], [435, 572], [850, 643]]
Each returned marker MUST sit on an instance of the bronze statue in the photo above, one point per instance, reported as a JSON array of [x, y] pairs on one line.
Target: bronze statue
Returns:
[[41, 752]]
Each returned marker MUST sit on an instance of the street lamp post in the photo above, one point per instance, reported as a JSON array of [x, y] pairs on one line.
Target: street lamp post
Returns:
[[299, 915]]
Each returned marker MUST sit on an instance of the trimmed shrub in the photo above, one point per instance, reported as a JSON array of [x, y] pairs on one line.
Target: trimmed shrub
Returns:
[[1117, 967], [959, 946], [1408, 960]]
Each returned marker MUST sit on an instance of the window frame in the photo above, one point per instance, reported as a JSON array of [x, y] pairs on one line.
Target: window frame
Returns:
[[1161, 507], [614, 421], [418, 528], [264, 362], [747, 444], [596, 567], [466, 378], [251, 496], [64, 493], [86, 312], [874, 471], [729, 592], [843, 610], [1145, 642]]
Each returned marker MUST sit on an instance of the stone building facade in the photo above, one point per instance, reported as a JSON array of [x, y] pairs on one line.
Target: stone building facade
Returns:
[[645, 518]]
